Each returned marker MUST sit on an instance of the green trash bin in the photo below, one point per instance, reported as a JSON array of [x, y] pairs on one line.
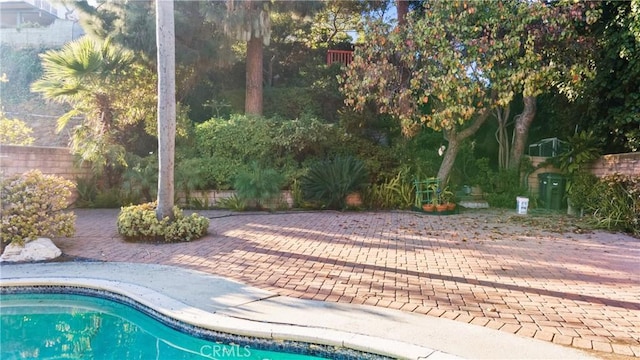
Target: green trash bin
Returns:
[[551, 191]]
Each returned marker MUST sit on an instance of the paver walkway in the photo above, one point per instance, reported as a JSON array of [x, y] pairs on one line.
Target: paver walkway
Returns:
[[581, 290]]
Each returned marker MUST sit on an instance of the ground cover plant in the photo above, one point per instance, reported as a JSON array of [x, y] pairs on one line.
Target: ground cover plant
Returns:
[[140, 223]]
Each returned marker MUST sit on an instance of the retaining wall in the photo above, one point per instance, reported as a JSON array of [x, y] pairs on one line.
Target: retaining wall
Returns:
[[15, 160], [624, 164]]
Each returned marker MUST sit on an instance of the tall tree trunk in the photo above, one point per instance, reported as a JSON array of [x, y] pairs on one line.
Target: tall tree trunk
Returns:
[[455, 139], [253, 96], [449, 156], [402, 9], [502, 136], [165, 40], [521, 130]]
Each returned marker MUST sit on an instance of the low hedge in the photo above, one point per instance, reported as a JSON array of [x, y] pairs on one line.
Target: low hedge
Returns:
[[140, 223]]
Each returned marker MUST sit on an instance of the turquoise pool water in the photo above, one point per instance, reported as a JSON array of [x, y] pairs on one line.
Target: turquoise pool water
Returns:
[[67, 326]]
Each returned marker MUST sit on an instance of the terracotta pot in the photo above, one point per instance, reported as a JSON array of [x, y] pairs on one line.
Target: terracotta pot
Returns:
[[428, 207], [441, 207], [451, 206], [354, 199]]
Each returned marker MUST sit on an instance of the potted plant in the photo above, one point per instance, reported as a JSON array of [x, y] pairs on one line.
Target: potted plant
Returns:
[[433, 202], [429, 207], [448, 198]]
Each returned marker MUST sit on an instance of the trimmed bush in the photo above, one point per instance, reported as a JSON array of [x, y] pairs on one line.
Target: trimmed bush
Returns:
[[140, 223], [32, 207]]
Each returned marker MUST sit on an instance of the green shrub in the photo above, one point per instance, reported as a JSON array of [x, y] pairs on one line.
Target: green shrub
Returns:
[[140, 223], [258, 185], [615, 203], [226, 146], [329, 182], [395, 193], [87, 188], [32, 207], [501, 187], [14, 132], [232, 203], [140, 179]]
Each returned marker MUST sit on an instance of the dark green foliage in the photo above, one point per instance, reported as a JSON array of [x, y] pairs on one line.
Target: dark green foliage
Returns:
[[584, 149], [87, 189], [226, 147], [286, 102], [330, 181], [189, 176], [501, 187], [258, 185], [395, 193], [613, 97], [140, 180], [611, 203]]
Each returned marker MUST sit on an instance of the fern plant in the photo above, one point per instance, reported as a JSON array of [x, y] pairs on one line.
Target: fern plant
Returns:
[[329, 182]]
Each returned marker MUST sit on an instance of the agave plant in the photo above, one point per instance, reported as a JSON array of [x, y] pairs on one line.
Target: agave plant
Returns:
[[331, 181]]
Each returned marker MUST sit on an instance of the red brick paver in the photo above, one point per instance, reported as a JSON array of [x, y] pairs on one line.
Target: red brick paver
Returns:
[[580, 290]]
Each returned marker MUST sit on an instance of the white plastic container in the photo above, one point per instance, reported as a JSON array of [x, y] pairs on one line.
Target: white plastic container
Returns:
[[523, 205]]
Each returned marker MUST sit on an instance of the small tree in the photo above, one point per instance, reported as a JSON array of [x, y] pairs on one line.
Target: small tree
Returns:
[[448, 68]]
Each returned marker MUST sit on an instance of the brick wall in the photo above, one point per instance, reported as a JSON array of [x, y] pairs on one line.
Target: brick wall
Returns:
[[625, 164], [50, 160]]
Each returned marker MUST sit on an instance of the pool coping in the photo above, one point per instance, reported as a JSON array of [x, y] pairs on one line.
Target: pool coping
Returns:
[[234, 308], [179, 311]]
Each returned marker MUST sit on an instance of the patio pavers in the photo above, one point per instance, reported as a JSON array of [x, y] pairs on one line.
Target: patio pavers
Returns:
[[574, 289]]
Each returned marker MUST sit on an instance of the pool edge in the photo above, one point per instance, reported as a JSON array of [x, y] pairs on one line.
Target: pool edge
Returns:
[[179, 311]]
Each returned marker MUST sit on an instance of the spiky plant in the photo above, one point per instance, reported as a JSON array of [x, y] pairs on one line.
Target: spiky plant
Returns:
[[332, 180]]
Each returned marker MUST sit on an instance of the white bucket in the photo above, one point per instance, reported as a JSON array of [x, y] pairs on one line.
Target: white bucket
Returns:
[[523, 205]]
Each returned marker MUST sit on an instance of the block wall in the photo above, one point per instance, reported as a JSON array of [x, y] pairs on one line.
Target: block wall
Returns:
[[625, 164], [50, 160]]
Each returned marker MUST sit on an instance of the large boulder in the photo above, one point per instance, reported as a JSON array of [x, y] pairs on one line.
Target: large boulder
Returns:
[[35, 250]]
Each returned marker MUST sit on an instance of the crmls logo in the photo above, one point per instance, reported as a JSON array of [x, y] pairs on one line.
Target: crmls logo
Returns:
[[218, 351]]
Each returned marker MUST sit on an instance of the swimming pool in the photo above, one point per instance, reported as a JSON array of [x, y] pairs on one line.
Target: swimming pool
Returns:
[[82, 326]]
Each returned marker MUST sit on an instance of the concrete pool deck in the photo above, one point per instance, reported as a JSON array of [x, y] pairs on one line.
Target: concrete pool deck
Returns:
[[534, 276], [216, 303]]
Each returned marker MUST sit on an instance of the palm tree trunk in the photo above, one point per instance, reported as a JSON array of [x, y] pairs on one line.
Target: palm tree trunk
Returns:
[[165, 39]]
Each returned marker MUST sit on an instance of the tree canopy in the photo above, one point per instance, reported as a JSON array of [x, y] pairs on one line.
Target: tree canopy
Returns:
[[455, 61]]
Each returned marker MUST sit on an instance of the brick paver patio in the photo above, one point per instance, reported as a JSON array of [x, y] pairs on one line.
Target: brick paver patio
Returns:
[[580, 290]]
